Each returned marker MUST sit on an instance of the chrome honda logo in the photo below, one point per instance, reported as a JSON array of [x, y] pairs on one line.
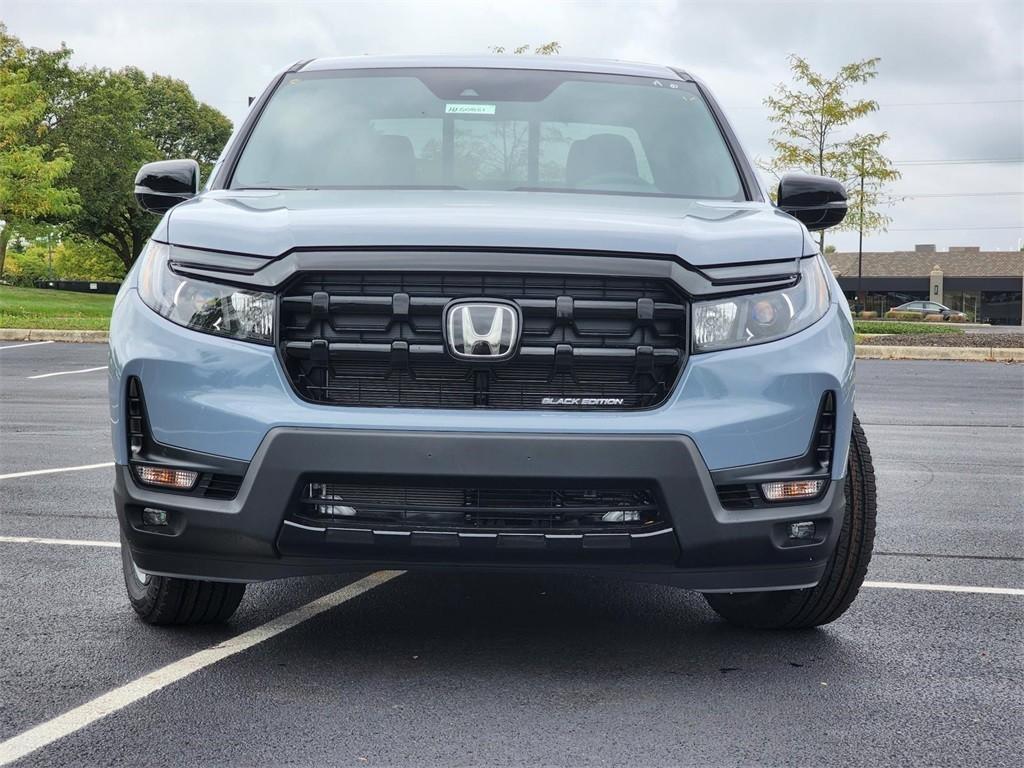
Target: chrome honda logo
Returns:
[[487, 331]]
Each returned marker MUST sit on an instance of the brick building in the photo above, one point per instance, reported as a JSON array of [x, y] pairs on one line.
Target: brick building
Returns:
[[986, 285]]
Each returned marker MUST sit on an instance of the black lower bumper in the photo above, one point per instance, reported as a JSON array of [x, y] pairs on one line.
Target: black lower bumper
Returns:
[[247, 538]]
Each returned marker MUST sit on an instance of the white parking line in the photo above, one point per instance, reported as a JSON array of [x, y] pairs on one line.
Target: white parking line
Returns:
[[58, 542], [68, 373], [30, 473], [943, 588], [29, 344], [46, 733]]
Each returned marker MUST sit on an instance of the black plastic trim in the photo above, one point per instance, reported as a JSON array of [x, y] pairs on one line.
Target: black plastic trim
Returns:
[[720, 549], [693, 282]]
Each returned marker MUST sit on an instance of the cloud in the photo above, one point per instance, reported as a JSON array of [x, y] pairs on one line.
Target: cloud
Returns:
[[931, 52]]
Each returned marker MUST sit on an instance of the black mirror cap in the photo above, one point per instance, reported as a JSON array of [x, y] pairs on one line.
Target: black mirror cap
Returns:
[[162, 185], [817, 201]]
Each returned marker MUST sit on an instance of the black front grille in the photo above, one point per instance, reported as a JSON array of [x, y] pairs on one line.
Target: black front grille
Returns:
[[458, 508], [375, 339]]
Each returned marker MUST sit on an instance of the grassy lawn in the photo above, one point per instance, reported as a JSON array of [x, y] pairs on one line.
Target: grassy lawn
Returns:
[[882, 326], [61, 310]]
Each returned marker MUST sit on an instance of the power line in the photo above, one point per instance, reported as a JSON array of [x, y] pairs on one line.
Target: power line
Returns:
[[952, 103], [963, 161], [948, 229], [958, 161], [909, 103], [961, 194]]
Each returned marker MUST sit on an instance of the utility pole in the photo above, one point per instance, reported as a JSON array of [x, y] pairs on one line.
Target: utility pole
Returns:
[[860, 241]]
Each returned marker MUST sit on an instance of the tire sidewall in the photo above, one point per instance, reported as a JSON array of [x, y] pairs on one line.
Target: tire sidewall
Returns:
[[141, 594]]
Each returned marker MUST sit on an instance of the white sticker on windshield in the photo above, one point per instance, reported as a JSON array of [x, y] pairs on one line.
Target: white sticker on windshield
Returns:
[[469, 109]]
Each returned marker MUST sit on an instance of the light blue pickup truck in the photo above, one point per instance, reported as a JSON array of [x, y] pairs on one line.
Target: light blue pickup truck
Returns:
[[488, 313]]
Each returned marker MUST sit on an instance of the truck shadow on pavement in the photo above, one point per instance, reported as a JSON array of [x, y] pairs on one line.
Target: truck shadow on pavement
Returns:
[[547, 625]]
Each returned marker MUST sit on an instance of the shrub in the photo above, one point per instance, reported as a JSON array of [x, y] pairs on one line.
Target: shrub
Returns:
[[957, 319], [887, 327], [868, 315], [79, 258], [894, 314], [26, 268], [934, 319]]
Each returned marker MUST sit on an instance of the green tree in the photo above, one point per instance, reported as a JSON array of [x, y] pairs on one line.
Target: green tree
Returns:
[[116, 121], [48, 69], [30, 170], [121, 120], [110, 148], [812, 119]]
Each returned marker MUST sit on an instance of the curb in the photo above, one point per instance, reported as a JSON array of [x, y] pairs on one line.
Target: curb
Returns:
[[999, 354], [45, 334], [922, 322]]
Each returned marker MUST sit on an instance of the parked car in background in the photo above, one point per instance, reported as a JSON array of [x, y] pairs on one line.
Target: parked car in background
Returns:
[[930, 308]]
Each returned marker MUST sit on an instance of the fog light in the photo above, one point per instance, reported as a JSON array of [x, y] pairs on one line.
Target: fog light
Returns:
[[792, 490], [621, 516], [335, 510], [152, 516], [181, 479], [804, 530], [325, 492]]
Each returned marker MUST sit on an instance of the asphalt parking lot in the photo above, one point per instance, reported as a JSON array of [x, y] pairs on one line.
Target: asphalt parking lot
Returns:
[[503, 670]]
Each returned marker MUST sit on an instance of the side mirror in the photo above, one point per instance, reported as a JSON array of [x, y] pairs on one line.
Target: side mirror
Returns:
[[817, 201], [162, 185]]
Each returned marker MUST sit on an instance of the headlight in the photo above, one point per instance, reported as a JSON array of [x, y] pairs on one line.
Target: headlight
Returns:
[[202, 306], [759, 317]]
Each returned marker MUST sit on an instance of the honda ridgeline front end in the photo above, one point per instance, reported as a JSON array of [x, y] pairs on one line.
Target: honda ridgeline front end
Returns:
[[495, 314]]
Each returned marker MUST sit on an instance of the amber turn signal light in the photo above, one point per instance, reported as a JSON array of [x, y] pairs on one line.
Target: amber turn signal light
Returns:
[[792, 490], [165, 477]]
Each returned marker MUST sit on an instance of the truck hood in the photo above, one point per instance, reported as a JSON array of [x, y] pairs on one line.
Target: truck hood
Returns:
[[270, 223]]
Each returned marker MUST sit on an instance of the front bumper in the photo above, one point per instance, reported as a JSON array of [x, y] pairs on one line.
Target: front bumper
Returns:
[[246, 539]]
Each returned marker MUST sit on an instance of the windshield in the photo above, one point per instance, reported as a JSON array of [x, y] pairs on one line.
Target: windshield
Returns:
[[490, 129]]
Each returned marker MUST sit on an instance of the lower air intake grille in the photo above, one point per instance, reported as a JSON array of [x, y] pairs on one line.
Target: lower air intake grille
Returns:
[[825, 435], [740, 496], [220, 486], [620, 509]]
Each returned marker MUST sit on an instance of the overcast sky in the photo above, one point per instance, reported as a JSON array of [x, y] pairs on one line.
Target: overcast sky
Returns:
[[951, 81]]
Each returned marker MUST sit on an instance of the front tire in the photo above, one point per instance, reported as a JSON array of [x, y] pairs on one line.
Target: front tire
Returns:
[[166, 600], [804, 608]]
